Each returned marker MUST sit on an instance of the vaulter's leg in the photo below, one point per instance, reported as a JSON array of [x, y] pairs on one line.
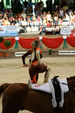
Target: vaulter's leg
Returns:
[[33, 74], [43, 68], [47, 74]]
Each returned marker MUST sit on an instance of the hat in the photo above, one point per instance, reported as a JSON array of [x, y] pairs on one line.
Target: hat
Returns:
[[35, 43]]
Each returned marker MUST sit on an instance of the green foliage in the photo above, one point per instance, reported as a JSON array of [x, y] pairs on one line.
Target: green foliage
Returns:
[[1, 39], [7, 43]]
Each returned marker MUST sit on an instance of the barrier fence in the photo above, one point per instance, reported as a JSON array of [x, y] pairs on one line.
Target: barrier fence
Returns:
[[52, 43]]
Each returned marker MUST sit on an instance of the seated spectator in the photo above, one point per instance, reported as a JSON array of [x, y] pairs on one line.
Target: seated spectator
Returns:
[[72, 18], [55, 19], [5, 22], [67, 17], [0, 22], [13, 22], [48, 16], [49, 24], [61, 13], [0, 15], [23, 14], [10, 14], [5, 15], [44, 21]]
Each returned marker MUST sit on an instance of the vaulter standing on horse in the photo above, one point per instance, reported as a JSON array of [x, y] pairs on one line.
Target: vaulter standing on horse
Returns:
[[35, 66]]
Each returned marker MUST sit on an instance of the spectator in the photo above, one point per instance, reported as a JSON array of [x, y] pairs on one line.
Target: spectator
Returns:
[[48, 16], [5, 22], [23, 14], [61, 13]]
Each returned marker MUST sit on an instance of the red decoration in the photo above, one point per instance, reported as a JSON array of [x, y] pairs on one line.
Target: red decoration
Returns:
[[26, 43], [71, 41], [2, 43], [53, 43]]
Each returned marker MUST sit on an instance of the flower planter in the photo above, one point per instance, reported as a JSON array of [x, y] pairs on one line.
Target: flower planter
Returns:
[[7, 54], [49, 51], [7, 44], [1, 54]]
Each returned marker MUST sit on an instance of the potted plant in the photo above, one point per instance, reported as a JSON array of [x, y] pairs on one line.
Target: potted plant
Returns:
[[1, 52], [7, 44], [1, 39], [50, 51]]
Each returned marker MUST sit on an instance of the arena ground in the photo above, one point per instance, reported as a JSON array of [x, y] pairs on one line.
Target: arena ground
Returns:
[[11, 70]]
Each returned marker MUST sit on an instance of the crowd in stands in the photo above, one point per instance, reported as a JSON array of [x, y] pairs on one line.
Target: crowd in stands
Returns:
[[56, 18]]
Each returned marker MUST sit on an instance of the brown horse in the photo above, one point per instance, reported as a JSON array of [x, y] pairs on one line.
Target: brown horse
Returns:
[[18, 96]]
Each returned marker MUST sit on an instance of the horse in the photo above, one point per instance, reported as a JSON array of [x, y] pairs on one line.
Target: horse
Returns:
[[18, 96]]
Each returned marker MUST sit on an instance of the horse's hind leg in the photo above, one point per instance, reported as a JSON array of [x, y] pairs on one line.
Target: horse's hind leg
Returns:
[[9, 110], [5, 111], [9, 104]]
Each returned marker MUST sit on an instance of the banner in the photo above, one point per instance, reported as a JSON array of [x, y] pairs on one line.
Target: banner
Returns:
[[65, 30], [8, 31], [7, 4]]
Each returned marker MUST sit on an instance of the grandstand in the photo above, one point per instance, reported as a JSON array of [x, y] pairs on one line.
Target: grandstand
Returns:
[[8, 3]]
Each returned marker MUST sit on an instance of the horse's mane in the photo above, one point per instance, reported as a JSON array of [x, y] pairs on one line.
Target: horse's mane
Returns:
[[71, 82], [71, 78]]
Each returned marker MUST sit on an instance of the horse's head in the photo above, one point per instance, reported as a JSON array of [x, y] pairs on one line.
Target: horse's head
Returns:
[[71, 81]]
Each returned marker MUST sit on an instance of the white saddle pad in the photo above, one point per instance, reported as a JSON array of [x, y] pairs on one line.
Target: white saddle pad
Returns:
[[48, 87]]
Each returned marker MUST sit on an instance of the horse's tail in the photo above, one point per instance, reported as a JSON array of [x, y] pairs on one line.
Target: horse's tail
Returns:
[[3, 87]]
